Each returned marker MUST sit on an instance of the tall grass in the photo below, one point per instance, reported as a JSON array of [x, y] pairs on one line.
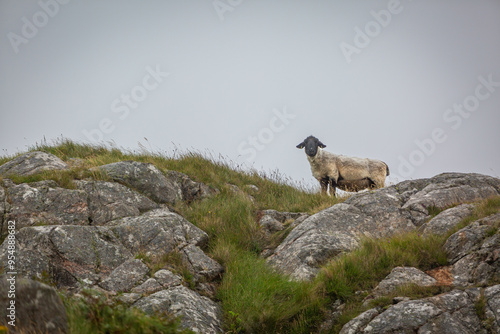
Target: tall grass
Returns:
[[257, 299], [367, 265]]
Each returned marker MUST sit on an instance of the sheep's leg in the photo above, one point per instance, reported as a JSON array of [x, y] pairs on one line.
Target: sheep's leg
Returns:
[[333, 185], [324, 185]]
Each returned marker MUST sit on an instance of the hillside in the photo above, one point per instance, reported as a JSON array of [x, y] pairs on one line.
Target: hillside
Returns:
[[144, 243]]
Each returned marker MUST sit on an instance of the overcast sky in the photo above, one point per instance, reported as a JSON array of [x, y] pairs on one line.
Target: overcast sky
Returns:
[[413, 83]]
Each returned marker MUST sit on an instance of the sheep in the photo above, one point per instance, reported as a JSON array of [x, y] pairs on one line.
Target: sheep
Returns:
[[345, 173]]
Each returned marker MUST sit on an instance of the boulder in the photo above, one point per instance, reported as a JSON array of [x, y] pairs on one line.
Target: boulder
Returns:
[[191, 190], [145, 178], [148, 287], [401, 276], [129, 298], [167, 278], [274, 221], [44, 203], [160, 232], [447, 189], [451, 312], [67, 255], [110, 200], [199, 264], [492, 297], [270, 225], [125, 276], [32, 163], [196, 312], [38, 307], [474, 253], [445, 221], [157, 232], [380, 213], [356, 325]]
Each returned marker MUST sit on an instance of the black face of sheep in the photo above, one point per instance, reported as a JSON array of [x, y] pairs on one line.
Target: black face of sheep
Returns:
[[311, 144]]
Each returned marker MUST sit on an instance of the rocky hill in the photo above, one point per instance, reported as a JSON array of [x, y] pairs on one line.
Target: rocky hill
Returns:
[[120, 230]]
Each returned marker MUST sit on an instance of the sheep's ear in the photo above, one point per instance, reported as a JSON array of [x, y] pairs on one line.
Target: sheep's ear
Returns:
[[320, 144], [301, 145]]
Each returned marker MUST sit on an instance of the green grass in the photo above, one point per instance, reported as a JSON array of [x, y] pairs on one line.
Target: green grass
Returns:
[[254, 298], [367, 265], [257, 299], [362, 269]]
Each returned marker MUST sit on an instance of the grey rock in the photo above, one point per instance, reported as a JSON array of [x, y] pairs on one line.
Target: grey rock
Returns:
[[150, 286], [448, 323], [32, 163], [167, 278], [317, 239], [191, 190], [156, 233], [357, 324], [199, 264], [43, 203], [67, 254], [401, 276], [38, 307], [125, 276], [110, 200], [234, 189], [447, 220], [447, 189], [451, 312], [270, 225], [273, 221], [145, 178], [405, 317], [380, 213], [161, 232], [129, 298], [299, 220], [492, 296], [197, 313], [465, 241], [475, 254]]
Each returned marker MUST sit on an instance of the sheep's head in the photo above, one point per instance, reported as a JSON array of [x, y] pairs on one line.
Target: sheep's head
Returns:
[[311, 145]]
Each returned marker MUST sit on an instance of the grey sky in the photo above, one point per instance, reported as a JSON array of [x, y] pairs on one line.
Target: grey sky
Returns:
[[251, 79]]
